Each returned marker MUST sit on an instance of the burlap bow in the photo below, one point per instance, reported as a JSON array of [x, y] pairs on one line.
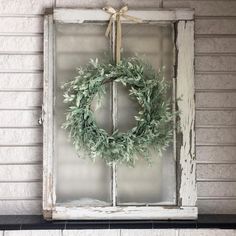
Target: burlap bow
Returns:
[[115, 16]]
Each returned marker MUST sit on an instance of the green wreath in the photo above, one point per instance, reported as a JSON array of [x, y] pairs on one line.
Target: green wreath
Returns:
[[154, 121]]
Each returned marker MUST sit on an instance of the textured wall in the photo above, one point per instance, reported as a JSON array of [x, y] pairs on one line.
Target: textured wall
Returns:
[[21, 67]]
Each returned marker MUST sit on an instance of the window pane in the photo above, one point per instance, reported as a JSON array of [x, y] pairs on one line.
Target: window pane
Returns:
[[79, 181], [146, 184]]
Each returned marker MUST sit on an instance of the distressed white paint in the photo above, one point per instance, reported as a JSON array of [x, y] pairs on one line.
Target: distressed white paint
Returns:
[[124, 213], [185, 91], [81, 15]]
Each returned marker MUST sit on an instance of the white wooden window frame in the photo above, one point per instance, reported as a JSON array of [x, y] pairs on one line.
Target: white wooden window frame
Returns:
[[184, 88]]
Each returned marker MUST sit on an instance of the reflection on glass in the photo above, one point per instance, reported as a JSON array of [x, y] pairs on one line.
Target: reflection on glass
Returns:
[[79, 180]]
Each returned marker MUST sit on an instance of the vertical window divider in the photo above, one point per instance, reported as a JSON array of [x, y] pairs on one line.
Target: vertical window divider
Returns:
[[114, 114]]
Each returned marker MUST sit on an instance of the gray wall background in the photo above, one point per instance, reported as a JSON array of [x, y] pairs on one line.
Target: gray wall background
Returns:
[[21, 76]]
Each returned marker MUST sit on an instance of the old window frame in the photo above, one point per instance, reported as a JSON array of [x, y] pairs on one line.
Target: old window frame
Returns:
[[184, 88]]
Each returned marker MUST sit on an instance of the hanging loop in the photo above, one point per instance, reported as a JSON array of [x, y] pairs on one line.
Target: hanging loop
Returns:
[[116, 17]]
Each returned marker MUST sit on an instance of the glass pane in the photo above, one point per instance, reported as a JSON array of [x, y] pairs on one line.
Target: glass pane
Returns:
[[144, 184], [79, 180]]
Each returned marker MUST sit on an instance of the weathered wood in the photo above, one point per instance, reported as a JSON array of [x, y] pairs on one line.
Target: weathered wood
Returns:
[[82, 15], [48, 118], [102, 213], [185, 91], [186, 208]]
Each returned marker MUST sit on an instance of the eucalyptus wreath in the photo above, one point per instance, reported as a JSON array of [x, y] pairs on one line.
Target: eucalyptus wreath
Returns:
[[154, 120]]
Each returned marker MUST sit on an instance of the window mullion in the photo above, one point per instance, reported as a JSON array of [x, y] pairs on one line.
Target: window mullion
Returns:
[[114, 114]]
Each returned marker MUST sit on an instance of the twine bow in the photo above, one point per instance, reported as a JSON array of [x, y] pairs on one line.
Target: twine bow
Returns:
[[116, 17]]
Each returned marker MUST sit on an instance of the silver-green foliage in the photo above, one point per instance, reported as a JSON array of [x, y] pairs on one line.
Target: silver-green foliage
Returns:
[[154, 121]]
